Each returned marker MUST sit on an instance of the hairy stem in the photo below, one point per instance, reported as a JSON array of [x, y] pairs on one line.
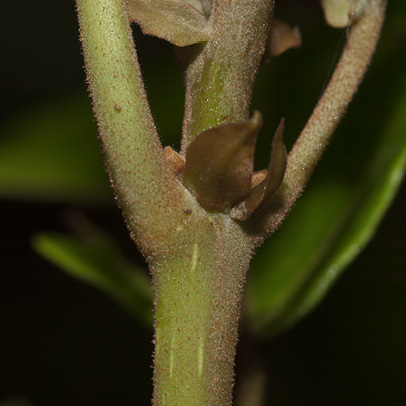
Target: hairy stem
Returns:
[[149, 194], [306, 152], [198, 260], [331, 107], [198, 295], [220, 80]]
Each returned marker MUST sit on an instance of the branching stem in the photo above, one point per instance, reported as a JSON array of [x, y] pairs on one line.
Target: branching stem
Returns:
[[198, 258]]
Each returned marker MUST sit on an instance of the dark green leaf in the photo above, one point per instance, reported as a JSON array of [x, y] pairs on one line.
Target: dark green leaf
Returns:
[[51, 152], [341, 208], [101, 265]]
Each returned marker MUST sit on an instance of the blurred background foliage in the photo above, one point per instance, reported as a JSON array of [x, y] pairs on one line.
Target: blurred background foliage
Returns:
[[63, 342]]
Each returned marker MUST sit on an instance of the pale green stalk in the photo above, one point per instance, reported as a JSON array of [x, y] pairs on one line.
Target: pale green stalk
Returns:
[[148, 192], [220, 79], [197, 311], [310, 145]]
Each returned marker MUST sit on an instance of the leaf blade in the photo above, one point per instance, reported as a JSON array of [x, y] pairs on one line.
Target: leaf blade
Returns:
[[51, 152], [101, 267], [340, 210]]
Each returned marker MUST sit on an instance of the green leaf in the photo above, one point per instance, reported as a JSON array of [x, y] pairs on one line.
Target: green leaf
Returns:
[[340, 210], [99, 263], [51, 152]]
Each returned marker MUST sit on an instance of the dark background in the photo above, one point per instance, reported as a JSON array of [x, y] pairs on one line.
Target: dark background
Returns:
[[62, 342]]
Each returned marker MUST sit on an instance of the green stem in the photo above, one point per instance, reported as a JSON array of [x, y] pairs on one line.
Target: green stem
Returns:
[[198, 260], [198, 295], [342, 87], [148, 192], [314, 138], [220, 80]]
